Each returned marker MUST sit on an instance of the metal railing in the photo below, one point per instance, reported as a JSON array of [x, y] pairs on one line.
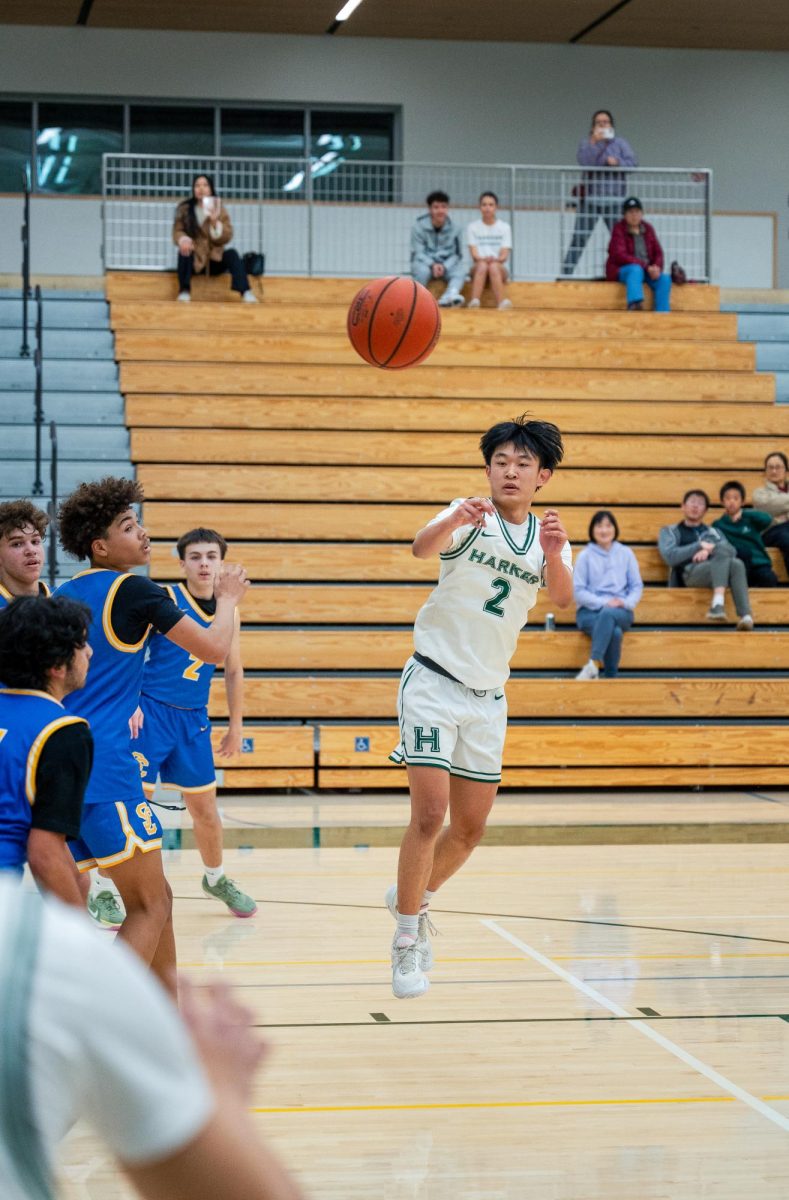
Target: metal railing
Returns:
[[52, 505], [24, 351], [38, 394], [354, 219]]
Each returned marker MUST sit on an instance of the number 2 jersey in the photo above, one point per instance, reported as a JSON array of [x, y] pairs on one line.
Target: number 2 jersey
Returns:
[[488, 582], [174, 676]]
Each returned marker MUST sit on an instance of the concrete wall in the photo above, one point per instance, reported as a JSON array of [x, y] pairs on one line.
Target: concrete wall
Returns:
[[461, 101]]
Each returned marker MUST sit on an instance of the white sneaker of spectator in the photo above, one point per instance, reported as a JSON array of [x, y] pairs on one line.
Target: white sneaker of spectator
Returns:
[[249, 297], [451, 300], [506, 304], [590, 671], [473, 303], [185, 297]]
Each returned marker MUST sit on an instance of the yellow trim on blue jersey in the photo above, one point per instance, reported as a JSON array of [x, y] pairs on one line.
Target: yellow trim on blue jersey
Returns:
[[38, 746], [193, 602], [106, 621], [8, 691], [176, 787], [43, 590], [4, 592]]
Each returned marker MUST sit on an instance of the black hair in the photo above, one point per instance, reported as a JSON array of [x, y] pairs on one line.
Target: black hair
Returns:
[[191, 223], [437, 197], [200, 534], [778, 454], [696, 492], [37, 634], [540, 438], [492, 195], [607, 112], [599, 516], [90, 510], [733, 485]]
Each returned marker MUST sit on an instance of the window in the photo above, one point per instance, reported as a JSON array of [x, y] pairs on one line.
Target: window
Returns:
[[171, 129], [16, 143], [339, 138], [70, 141], [263, 133]]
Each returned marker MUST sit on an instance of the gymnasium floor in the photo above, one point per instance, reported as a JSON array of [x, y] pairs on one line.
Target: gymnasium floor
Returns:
[[604, 1021]]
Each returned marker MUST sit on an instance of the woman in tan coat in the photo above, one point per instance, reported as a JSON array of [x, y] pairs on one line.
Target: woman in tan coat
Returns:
[[201, 231], [773, 498]]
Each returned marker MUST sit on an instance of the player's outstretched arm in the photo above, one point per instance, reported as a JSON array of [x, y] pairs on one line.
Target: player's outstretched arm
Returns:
[[213, 645], [234, 689], [558, 576], [437, 536]]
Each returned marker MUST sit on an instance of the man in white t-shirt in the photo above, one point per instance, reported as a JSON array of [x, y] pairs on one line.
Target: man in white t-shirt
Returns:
[[495, 555], [489, 242], [88, 1032]]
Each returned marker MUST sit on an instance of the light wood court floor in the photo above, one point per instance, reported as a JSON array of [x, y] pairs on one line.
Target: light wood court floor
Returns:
[[604, 1023]]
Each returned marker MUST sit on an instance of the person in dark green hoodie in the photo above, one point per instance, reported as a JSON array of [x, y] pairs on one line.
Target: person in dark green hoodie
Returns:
[[743, 527]]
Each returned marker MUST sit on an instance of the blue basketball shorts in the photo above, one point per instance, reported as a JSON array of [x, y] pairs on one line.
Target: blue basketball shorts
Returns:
[[175, 746], [111, 834]]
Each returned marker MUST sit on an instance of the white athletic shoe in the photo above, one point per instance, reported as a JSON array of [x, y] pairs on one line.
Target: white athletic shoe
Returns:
[[249, 297], [473, 303], [408, 978], [185, 297], [451, 300], [590, 671], [506, 304], [426, 928]]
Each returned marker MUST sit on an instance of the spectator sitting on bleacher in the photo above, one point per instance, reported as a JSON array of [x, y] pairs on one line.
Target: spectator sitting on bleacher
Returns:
[[489, 242], [743, 527], [773, 498], [201, 231], [600, 193], [635, 254], [700, 556], [437, 249], [607, 587]]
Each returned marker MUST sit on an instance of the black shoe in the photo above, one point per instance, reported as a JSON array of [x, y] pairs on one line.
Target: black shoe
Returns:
[[635, 306]]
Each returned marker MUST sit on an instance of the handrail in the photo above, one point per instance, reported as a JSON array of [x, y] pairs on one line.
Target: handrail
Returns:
[[52, 506], [38, 412], [24, 351]]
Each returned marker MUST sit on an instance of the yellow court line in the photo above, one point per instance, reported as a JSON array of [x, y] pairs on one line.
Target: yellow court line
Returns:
[[601, 957], [498, 1104]]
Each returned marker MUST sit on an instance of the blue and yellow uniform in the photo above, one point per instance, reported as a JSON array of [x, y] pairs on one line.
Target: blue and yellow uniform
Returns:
[[7, 597], [117, 820], [44, 757], [175, 740]]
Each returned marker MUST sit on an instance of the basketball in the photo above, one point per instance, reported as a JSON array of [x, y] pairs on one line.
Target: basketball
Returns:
[[394, 323]]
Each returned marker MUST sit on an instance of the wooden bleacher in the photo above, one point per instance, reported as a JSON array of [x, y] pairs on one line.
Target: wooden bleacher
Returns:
[[260, 421]]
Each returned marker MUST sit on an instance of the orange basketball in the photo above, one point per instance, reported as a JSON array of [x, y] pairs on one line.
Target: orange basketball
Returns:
[[393, 322]]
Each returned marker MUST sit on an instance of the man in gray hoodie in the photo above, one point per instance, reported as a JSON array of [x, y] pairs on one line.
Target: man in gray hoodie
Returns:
[[437, 249], [700, 556]]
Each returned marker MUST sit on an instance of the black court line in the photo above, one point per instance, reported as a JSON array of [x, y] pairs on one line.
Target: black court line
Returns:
[[457, 912], [521, 1021]]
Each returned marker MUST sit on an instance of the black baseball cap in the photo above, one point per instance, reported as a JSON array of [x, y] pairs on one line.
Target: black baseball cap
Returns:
[[631, 202]]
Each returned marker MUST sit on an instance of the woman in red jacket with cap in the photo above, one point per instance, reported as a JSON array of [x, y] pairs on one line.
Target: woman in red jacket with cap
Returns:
[[635, 254]]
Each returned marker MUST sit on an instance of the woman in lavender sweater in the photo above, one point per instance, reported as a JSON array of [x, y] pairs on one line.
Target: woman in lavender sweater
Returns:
[[602, 191], [607, 585]]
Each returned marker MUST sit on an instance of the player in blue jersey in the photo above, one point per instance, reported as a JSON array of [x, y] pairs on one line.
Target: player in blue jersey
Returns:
[[119, 832], [175, 739], [45, 753], [22, 530]]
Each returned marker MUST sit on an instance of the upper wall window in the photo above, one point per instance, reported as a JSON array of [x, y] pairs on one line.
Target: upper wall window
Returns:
[[262, 132], [70, 141], [171, 129], [16, 143]]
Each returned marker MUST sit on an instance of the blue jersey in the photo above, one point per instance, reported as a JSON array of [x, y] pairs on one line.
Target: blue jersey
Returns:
[[174, 676], [6, 597], [27, 721], [112, 690]]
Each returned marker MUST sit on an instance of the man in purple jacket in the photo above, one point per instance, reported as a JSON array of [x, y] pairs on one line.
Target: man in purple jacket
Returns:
[[635, 254], [601, 190]]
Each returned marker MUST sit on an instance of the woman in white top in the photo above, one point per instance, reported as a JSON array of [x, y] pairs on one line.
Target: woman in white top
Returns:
[[489, 242]]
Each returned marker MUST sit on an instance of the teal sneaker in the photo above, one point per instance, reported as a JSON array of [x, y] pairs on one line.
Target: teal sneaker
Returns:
[[106, 910], [239, 903]]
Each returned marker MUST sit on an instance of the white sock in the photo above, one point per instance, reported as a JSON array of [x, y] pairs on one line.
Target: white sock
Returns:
[[427, 896], [214, 874], [407, 929]]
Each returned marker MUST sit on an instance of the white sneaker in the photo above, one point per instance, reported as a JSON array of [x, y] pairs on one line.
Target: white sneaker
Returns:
[[506, 304], [745, 622], [426, 928], [249, 297], [185, 297], [590, 671], [451, 300], [408, 978], [473, 303]]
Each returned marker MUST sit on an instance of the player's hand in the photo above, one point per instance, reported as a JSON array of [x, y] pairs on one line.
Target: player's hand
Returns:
[[230, 744], [473, 512], [186, 245], [553, 534], [231, 583], [220, 1028], [136, 721]]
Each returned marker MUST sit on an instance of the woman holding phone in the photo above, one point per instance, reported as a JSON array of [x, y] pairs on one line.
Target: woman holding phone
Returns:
[[201, 231], [600, 194]]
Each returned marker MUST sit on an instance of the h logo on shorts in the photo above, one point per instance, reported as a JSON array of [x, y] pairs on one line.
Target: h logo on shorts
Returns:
[[422, 739]]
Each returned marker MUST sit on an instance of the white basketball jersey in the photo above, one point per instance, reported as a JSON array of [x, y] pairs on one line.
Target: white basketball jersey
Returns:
[[487, 584]]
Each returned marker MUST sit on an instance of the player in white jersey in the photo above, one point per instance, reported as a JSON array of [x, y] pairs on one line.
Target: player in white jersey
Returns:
[[495, 555]]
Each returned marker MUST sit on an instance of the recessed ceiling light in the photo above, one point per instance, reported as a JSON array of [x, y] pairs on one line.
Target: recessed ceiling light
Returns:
[[347, 9]]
